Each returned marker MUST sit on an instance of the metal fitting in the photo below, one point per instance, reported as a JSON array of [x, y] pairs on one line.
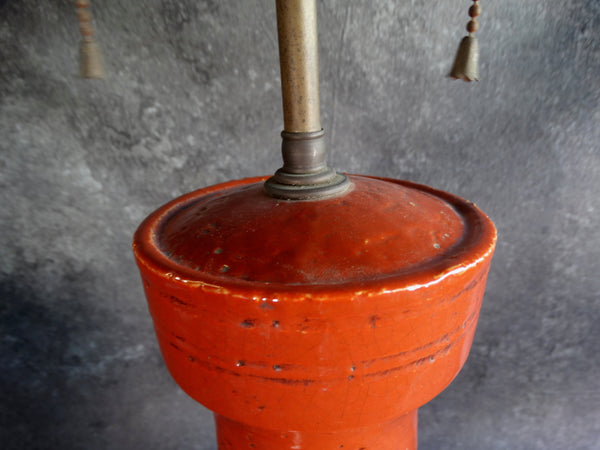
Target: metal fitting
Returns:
[[305, 174]]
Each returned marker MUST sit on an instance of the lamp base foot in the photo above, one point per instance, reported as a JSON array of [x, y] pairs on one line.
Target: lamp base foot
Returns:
[[399, 434]]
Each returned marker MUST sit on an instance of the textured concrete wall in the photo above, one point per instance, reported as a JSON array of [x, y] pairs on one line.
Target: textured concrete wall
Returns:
[[192, 99]]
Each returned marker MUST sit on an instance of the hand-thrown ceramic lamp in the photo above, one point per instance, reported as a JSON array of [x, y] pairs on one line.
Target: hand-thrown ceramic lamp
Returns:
[[317, 310]]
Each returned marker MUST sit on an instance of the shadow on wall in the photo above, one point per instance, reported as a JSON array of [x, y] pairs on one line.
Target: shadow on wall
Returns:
[[40, 359], [65, 362]]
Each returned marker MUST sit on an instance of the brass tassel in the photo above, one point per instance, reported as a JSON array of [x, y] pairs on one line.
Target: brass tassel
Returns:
[[466, 63], [90, 59]]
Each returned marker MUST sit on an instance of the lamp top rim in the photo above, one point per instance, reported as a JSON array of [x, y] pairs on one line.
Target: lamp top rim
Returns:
[[382, 234]]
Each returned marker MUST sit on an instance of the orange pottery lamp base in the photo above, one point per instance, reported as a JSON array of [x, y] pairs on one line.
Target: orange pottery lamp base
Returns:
[[315, 324]]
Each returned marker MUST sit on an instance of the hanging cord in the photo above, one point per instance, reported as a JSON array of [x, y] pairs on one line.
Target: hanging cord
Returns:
[[466, 63], [90, 59]]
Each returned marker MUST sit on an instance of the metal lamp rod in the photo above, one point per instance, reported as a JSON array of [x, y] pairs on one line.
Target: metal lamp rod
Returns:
[[305, 174], [299, 60]]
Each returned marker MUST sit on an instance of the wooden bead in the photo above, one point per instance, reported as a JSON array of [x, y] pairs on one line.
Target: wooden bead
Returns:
[[472, 26], [84, 15], [86, 29], [474, 10]]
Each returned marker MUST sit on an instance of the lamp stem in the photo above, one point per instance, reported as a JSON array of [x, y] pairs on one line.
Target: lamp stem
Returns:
[[305, 174], [299, 60]]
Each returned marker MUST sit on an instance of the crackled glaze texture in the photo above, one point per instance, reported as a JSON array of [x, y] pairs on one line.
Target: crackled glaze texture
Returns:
[[315, 324], [242, 233]]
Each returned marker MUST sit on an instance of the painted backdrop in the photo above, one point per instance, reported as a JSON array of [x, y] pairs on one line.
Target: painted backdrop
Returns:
[[192, 99]]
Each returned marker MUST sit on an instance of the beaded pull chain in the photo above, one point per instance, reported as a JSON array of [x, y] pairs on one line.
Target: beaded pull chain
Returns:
[[90, 59], [467, 57]]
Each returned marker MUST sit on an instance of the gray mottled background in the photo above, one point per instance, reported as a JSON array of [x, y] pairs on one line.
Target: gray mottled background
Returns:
[[192, 98]]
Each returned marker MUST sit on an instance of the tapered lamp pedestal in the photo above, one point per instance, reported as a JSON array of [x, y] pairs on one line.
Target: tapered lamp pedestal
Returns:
[[315, 324]]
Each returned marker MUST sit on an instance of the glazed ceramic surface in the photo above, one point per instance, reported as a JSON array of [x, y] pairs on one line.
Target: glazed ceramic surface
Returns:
[[315, 324]]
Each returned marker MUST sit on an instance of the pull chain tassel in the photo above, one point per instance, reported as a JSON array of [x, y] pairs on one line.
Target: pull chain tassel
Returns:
[[466, 63], [90, 58]]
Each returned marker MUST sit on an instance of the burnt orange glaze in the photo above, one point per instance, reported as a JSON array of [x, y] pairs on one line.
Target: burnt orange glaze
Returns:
[[329, 321]]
